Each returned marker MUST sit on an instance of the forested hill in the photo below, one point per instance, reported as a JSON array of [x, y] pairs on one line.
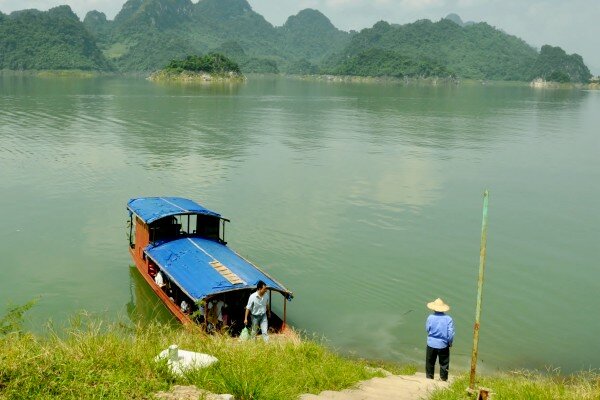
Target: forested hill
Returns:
[[147, 34], [554, 64], [473, 51], [54, 39], [311, 35], [467, 50]]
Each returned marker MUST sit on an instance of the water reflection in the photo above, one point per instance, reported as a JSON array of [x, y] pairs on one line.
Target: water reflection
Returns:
[[170, 127], [338, 190], [144, 306], [412, 183]]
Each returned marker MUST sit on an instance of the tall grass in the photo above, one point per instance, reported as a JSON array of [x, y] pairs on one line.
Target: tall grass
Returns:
[[526, 385], [92, 360]]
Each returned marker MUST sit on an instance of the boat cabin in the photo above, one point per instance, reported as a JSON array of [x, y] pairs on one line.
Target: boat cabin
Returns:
[[179, 248]]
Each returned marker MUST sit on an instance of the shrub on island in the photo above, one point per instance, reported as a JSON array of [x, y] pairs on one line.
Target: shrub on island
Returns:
[[205, 68]]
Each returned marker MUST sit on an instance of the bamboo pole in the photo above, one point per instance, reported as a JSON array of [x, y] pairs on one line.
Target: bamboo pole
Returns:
[[482, 254]]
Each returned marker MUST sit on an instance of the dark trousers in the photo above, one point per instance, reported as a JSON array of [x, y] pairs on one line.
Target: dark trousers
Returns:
[[431, 356]]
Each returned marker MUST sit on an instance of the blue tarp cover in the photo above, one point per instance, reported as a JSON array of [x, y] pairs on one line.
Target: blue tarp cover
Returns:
[[186, 262], [150, 209]]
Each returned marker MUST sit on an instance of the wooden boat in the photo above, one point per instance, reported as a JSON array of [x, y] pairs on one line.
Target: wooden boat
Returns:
[[201, 279]]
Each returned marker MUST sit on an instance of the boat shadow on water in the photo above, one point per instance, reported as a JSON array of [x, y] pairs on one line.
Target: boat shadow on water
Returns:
[[143, 306]]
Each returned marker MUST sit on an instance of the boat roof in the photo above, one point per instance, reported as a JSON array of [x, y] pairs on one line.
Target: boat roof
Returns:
[[150, 209], [203, 267]]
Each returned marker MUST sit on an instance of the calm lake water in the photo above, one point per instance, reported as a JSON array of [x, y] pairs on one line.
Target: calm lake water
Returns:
[[364, 199]]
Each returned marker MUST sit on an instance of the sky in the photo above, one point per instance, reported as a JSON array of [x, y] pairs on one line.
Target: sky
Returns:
[[573, 25]]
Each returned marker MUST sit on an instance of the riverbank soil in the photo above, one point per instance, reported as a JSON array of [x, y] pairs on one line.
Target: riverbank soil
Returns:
[[396, 387]]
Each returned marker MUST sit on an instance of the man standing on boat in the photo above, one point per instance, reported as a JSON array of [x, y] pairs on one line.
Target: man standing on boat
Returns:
[[440, 334], [258, 306]]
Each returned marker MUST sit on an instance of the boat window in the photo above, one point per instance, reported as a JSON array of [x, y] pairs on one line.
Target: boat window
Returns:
[[188, 224], [167, 228], [193, 223], [181, 221], [173, 227], [207, 226]]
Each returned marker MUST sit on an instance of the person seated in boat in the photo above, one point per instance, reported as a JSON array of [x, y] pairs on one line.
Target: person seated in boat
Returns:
[[221, 312], [211, 316], [219, 305], [159, 279], [198, 314], [170, 292], [185, 307], [224, 315]]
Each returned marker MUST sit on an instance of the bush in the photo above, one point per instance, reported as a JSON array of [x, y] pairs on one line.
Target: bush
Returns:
[[559, 76], [212, 63]]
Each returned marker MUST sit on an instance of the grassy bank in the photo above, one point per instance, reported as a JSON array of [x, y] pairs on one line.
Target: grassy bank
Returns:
[[92, 360], [526, 385]]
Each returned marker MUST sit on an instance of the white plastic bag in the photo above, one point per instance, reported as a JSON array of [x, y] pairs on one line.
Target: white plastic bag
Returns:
[[245, 334]]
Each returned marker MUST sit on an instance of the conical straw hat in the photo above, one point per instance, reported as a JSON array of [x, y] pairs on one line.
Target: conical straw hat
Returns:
[[438, 305]]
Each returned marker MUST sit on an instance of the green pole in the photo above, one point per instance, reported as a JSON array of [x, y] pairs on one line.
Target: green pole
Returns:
[[482, 252]]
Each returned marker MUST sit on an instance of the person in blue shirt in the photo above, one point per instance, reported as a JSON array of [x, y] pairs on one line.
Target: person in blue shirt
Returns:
[[440, 335]]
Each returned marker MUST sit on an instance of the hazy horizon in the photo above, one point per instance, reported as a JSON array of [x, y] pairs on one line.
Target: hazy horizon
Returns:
[[570, 25]]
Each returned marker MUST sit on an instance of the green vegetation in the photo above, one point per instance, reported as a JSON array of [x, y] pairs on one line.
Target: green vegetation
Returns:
[[392, 367], [310, 36], [92, 360], [260, 65], [451, 47], [97, 24], [55, 39], [70, 73], [476, 51], [458, 20], [116, 50], [553, 64], [379, 62], [212, 63], [207, 68], [147, 52], [302, 67], [12, 321], [146, 34], [525, 385], [233, 50], [180, 27]]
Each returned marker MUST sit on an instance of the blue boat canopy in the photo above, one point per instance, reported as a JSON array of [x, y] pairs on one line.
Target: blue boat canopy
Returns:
[[150, 209], [203, 267]]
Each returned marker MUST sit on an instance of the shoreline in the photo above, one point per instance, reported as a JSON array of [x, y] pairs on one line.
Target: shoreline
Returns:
[[93, 359], [192, 77], [203, 78]]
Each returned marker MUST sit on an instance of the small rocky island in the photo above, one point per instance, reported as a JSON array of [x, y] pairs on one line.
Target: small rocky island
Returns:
[[212, 67]]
